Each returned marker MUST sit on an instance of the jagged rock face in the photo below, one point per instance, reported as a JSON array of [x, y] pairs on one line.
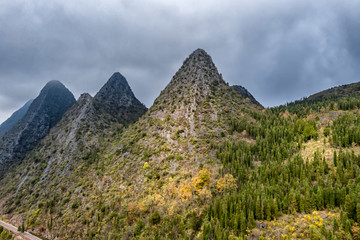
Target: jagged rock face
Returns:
[[44, 112], [14, 118], [246, 94], [198, 74], [74, 136], [187, 98], [117, 98]]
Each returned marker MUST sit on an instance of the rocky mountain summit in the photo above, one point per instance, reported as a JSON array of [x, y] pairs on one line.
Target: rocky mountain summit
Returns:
[[43, 113], [14, 118], [117, 98]]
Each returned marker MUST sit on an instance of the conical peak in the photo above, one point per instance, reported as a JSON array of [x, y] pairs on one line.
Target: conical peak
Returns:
[[117, 77], [114, 89], [196, 79], [56, 88], [200, 52], [197, 69], [200, 58], [54, 91], [117, 84], [53, 84], [117, 98]]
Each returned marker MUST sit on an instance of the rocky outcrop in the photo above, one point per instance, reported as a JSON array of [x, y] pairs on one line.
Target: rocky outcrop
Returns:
[[117, 98], [76, 134], [43, 113]]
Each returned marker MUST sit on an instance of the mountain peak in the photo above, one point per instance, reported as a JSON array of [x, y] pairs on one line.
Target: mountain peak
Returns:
[[118, 99], [43, 114], [117, 78], [116, 88], [199, 51], [196, 92], [198, 76], [54, 87], [199, 62], [54, 84], [117, 75]]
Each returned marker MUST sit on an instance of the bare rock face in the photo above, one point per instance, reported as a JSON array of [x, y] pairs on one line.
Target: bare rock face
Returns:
[[246, 94], [197, 74], [14, 118], [43, 113], [117, 98], [76, 134]]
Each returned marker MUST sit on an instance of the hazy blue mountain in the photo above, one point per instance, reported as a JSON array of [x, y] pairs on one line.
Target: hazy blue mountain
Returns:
[[14, 118], [43, 113]]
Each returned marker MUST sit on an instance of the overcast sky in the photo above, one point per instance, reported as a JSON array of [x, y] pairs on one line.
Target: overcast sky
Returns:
[[280, 50]]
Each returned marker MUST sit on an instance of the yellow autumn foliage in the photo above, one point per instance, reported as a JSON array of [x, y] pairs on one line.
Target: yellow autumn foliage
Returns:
[[202, 179], [185, 191], [226, 184]]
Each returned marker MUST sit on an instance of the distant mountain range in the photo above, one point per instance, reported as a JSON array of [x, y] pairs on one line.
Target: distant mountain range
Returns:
[[14, 118]]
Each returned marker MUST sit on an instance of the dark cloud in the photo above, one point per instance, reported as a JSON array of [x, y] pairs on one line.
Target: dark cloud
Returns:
[[280, 50]]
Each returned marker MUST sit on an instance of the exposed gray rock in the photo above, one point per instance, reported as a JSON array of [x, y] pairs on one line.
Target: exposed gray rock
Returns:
[[14, 118], [75, 135], [44, 112], [117, 98]]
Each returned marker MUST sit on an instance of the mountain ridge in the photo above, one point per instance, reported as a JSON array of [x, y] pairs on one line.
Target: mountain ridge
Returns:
[[14, 118], [203, 162], [346, 90], [43, 113]]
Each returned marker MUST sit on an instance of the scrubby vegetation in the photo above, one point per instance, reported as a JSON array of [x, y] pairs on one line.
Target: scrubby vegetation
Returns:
[[4, 234], [202, 163]]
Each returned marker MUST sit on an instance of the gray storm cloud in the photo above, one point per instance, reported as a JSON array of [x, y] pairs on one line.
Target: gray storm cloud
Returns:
[[279, 50]]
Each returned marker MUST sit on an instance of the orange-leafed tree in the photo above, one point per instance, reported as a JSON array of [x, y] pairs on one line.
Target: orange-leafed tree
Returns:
[[226, 184]]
